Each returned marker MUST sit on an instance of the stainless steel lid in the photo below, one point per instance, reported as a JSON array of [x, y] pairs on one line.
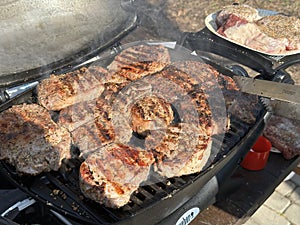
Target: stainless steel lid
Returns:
[[37, 33]]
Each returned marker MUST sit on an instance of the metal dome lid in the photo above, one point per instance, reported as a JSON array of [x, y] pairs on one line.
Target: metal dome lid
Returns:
[[42, 35]]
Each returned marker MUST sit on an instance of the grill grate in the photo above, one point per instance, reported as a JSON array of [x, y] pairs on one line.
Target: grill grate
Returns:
[[60, 190]]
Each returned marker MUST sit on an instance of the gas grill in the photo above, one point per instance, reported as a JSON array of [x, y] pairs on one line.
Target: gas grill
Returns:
[[55, 197]]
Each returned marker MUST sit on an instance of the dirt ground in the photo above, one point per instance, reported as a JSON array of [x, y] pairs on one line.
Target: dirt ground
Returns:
[[169, 18]]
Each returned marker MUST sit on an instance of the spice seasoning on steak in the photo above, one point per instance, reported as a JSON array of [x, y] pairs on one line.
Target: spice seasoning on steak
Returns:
[[100, 130], [58, 92], [150, 113], [138, 61], [111, 174], [182, 149], [31, 141]]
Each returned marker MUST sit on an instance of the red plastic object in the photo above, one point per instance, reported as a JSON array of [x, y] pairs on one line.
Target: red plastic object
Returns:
[[257, 157]]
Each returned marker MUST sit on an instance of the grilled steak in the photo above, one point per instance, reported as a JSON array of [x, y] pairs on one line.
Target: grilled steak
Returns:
[[77, 115], [210, 84], [282, 27], [58, 92], [31, 141], [180, 149], [100, 130], [244, 12], [109, 176], [150, 113], [284, 135], [241, 106], [138, 61], [184, 80]]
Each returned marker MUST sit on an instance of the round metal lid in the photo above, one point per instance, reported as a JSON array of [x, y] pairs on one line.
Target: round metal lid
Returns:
[[37, 33]]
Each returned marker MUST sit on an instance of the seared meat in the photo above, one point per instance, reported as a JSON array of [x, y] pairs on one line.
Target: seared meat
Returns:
[[111, 174], [241, 106], [138, 61], [58, 92], [244, 12], [77, 115], [31, 141], [209, 91], [180, 149], [100, 130], [284, 135], [205, 75], [174, 75], [150, 113], [282, 27]]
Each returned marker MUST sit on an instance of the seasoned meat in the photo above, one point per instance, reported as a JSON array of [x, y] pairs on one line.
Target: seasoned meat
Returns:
[[244, 12], [180, 149], [150, 113], [100, 130], [284, 135], [111, 174], [210, 84], [282, 27], [250, 35], [58, 92], [31, 141], [274, 34], [241, 106], [184, 80], [138, 61], [77, 115], [205, 75]]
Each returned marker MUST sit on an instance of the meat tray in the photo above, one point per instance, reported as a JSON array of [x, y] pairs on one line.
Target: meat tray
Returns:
[[210, 22]]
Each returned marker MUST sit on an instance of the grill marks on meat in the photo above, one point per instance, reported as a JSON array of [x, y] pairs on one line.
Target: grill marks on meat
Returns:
[[31, 141], [138, 61], [109, 176], [100, 130], [208, 90], [58, 92], [274, 34], [180, 149], [77, 115], [150, 113]]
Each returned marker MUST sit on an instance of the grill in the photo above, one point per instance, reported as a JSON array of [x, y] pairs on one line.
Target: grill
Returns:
[[57, 195]]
